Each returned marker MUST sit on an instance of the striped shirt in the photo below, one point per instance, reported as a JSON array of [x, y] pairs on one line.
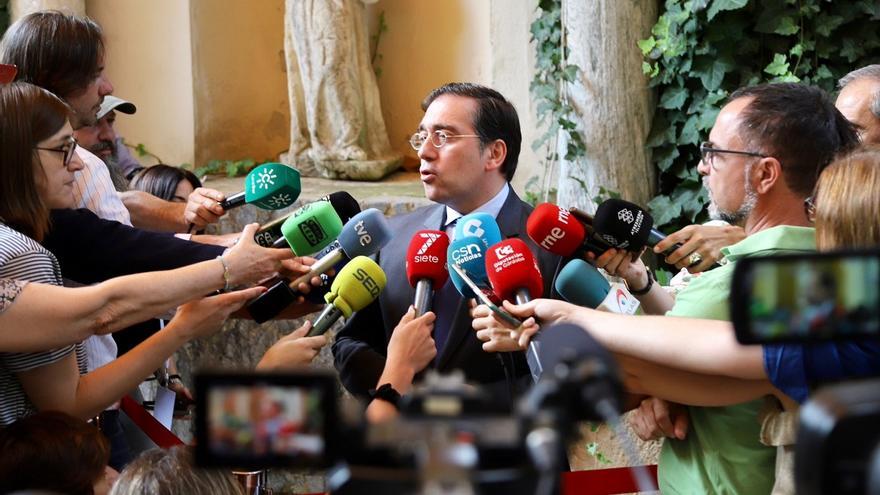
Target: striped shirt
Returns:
[[22, 258], [93, 189]]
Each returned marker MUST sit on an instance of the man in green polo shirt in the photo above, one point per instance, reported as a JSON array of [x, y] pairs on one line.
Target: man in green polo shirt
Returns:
[[764, 153]]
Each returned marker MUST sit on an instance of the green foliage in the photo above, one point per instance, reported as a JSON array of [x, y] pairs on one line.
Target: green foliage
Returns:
[[376, 57], [593, 450], [551, 72], [701, 50]]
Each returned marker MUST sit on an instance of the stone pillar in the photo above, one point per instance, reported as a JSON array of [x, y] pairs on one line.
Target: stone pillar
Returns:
[[21, 8], [611, 100], [337, 128]]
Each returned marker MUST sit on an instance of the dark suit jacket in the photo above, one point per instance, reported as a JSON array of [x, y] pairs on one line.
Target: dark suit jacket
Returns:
[[91, 249], [359, 349]]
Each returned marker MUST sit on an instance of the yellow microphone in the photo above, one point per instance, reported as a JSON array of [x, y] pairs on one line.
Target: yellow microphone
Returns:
[[358, 284]]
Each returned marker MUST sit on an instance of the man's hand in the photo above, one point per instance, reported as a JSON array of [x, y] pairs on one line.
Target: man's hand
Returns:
[[411, 346], [657, 418], [624, 264], [705, 241], [496, 334], [204, 316], [292, 351], [250, 263], [203, 207]]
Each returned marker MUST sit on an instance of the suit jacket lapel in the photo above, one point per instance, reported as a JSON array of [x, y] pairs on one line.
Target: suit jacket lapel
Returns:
[[510, 222]]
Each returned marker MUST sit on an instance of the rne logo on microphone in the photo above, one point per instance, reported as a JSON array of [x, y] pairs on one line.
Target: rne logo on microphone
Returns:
[[503, 251], [472, 228], [431, 238], [625, 215]]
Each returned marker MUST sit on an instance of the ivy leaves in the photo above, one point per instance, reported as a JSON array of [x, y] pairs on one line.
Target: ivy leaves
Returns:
[[701, 50]]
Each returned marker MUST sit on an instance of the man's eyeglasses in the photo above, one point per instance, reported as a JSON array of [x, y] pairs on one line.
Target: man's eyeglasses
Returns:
[[67, 149], [438, 138], [707, 153]]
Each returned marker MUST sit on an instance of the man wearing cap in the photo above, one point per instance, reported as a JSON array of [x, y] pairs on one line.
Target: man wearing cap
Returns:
[[101, 139]]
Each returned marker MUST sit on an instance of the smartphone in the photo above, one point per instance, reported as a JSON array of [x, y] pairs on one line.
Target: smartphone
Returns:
[[806, 297], [253, 420], [484, 299]]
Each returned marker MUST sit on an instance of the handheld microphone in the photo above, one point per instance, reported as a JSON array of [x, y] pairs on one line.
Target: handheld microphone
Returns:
[[344, 204], [467, 253], [363, 235], [310, 228], [513, 271], [270, 186], [357, 285], [426, 266], [581, 283], [627, 226], [555, 229], [480, 225]]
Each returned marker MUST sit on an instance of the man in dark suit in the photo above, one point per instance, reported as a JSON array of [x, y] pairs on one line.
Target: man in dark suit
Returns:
[[468, 143]]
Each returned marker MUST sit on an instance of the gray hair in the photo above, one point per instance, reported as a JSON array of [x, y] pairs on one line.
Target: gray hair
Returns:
[[866, 72], [167, 472]]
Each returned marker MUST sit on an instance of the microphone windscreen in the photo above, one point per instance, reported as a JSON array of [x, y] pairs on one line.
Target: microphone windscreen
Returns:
[[581, 283], [555, 229], [511, 267], [272, 186], [344, 204], [311, 228], [467, 252], [622, 224], [426, 258], [480, 225], [358, 284], [365, 233]]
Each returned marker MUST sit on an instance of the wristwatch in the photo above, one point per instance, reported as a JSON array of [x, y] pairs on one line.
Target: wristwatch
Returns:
[[644, 290], [387, 393]]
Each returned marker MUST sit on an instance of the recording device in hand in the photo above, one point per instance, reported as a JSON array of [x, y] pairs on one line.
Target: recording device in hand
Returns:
[[810, 301], [254, 421], [310, 229], [357, 285], [343, 203], [270, 186], [364, 235], [581, 283], [806, 297], [426, 266]]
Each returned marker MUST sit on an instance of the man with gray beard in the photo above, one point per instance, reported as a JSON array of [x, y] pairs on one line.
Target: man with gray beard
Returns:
[[102, 140]]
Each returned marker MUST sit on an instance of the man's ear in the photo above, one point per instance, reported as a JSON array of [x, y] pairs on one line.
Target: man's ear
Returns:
[[767, 173], [496, 152]]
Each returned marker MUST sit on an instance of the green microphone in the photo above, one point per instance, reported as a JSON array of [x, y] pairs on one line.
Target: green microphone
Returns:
[[310, 229], [270, 186]]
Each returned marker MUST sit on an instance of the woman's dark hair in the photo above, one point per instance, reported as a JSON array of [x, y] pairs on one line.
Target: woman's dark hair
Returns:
[[161, 180], [28, 115], [52, 451], [57, 51]]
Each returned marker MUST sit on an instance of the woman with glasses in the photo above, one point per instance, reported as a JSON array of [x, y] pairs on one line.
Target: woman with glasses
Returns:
[[37, 162]]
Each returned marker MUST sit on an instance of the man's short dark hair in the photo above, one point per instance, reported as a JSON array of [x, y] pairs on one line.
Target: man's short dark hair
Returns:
[[53, 50], [495, 118], [799, 126]]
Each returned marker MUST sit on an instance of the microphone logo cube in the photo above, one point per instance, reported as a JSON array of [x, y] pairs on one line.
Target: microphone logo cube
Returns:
[[312, 231], [272, 186], [472, 228], [367, 282], [625, 216]]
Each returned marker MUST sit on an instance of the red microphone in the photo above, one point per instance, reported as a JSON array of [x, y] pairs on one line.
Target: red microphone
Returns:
[[513, 271], [555, 229], [426, 266]]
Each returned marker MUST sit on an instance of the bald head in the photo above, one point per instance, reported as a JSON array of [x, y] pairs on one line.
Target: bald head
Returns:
[[859, 101]]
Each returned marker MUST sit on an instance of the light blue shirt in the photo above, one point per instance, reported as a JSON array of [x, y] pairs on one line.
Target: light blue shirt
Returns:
[[492, 207]]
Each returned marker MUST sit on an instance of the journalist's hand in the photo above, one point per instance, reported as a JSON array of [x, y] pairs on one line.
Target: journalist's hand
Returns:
[[656, 418]]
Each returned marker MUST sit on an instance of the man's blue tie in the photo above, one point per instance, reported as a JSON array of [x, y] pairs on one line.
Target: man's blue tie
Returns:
[[444, 305]]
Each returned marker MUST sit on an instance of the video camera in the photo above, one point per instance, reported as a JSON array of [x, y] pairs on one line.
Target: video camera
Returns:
[[449, 438], [815, 300]]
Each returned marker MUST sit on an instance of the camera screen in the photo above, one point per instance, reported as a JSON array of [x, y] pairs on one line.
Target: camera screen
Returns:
[[807, 297], [263, 420]]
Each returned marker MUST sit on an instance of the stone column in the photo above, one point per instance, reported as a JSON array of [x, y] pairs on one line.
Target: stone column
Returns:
[[21, 8], [337, 129]]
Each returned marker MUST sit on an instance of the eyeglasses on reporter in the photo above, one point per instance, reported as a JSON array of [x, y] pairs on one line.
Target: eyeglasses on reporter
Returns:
[[707, 153], [67, 149]]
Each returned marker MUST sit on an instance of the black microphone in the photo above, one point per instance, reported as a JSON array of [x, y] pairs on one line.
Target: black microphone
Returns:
[[625, 225]]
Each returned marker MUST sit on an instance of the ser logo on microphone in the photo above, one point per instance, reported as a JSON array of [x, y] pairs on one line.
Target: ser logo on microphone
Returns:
[[367, 281]]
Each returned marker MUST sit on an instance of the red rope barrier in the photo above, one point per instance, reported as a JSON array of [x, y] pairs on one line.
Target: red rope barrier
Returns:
[[157, 432]]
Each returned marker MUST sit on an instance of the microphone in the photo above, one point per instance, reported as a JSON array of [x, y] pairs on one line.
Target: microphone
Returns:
[[363, 235], [563, 232], [480, 225], [344, 204], [270, 186], [426, 266], [513, 271], [357, 285], [310, 229], [627, 226], [581, 283], [467, 253]]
